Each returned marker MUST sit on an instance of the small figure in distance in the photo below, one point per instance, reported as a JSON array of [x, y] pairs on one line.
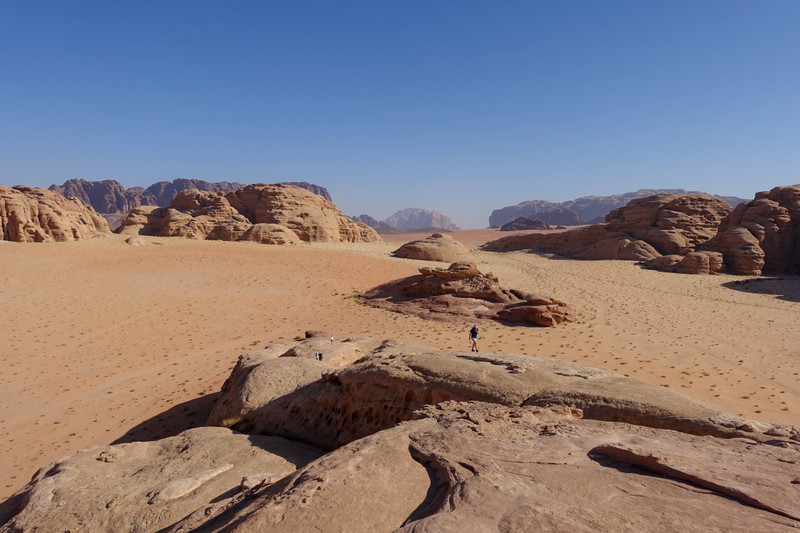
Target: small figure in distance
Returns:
[[318, 356], [473, 335], [331, 339]]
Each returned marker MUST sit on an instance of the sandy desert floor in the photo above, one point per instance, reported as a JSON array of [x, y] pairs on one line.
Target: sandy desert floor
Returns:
[[105, 342]]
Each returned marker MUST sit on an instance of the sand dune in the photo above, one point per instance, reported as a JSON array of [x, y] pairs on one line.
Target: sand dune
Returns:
[[102, 341]]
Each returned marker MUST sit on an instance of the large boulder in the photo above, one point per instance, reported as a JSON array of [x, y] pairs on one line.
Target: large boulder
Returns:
[[461, 292], [437, 247], [644, 229], [762, 235], [33, 214], [269, 214]]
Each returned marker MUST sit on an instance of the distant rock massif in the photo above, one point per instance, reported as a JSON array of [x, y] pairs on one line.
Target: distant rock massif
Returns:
[[587, 209], [383, 436], [33, 214], [411, 218], [525, 223], [265, 213]]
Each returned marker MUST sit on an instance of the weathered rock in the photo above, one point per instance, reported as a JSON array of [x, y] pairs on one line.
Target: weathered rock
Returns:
[[461, 292], [437, 247], [524, 223], [427, 440], [33, 214], [273, 392], [268, 214], [308, 215], [147, 486], [642, 230], [106, 196], [762, 235], [371, 222]]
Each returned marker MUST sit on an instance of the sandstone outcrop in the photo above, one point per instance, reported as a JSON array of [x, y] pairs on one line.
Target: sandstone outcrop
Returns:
[[643, 230], [269, 214], [413, 218], [371, 222], [524, 223], [462, 293], [147, 486], [425, 440], [762, 235], [437, 247], [33, 214]]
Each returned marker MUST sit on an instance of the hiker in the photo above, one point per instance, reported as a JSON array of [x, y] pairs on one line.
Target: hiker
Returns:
[[473, 335]]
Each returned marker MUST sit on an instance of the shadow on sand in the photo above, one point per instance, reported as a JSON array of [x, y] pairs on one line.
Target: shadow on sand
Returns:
[[784, 288], [174, 420]]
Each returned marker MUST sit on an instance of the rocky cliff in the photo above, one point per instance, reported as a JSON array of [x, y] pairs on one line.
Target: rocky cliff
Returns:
[[33, 214], [762, 235]]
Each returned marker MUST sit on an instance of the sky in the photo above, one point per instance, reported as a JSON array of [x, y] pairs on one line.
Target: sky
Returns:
[[458, 106]]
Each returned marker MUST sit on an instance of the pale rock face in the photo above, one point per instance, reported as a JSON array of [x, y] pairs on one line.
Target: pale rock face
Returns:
[[268, 214], [462, 293], [762, 235], [437, 247], [425, 440], [147, 486], [33, 214]]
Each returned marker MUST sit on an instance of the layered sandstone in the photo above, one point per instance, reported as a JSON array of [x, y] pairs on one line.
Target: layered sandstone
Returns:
[[762, 235], [419, 439], [461, 292], [265, 213], [437, 247], [644, 229], [33, 214]]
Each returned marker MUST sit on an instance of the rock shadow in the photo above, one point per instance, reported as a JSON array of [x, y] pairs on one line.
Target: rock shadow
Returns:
[[783, 288], [174, 420]]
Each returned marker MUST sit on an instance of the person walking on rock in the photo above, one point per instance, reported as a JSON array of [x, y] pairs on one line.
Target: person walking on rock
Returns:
[[473, 335]]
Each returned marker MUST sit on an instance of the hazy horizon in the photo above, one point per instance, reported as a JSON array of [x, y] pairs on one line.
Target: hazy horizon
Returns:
[[458, 107]]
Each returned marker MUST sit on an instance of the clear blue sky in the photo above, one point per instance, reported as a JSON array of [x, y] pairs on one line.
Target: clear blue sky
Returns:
[[458, 106]]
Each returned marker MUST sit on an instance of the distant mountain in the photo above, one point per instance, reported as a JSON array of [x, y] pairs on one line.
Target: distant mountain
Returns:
[[109, 197], [413, 218], [589, 208], [371, 222], [524, 223]]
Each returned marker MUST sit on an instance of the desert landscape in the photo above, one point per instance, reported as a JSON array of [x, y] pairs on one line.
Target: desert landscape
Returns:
[[107, 342]]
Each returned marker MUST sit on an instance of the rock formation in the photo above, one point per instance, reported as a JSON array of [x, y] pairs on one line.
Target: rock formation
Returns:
[[589, 208], [561, 217], [270, 214], [643, 230], [524, 223], [462, 293], [113, 201], [437, 247], [762, 235], [371, 222], [413, 218], [419, 439], [33, 214]]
